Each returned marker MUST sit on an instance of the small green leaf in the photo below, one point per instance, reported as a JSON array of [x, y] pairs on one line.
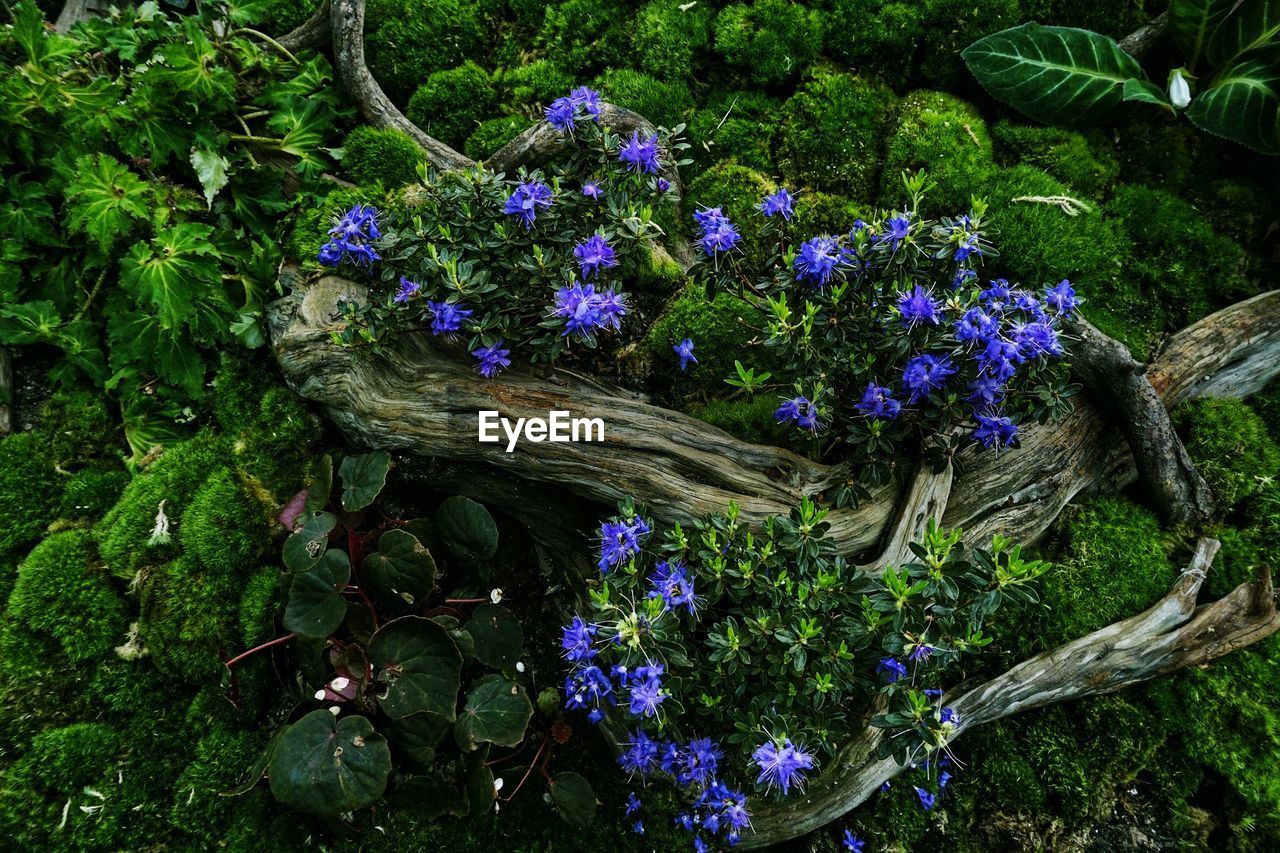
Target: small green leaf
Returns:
[[104, 199], [417, 736], [211, 169], [480, 791], [1058, 75], [401, 570], [1146, 92], [363, 478], [467, 529], [497, 635], [573, 798], [315, 607], [321, 485], [420, 665], [303, 549], [326, 766], [465, 642], [1243, 102], [497, 712]]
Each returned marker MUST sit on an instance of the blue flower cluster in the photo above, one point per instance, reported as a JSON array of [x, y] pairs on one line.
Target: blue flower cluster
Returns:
[[782, 764], [801, 411], [620, 540], [716, 233], [526, 200], [351, 238], [641, 155], [492, 360], [585, 310], [582, 103], [594, 254]]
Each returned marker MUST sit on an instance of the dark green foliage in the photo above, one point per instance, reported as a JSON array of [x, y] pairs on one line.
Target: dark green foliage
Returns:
[[30, 489], [224, 528], [536, 84], [1086, 166], [887, 40], [76, 425], [668, 39], [1230, 445], [720, 329], [61, 591], [737, 190], [768, 41], [494, 133], [280, 16], [1115, 18], [451, 104], [1178, 261], [583, 36], [407, 40], [1166, 154], [200, 804], [748, 418], [948, 139], [831, 132], [310, 227], [661, 102], [380, 155], [737, 126], [948, 27], [820, 213]]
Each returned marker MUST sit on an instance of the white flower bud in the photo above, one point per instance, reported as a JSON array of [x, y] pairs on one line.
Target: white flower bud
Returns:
[[519, 666], [1179, 91], [320, 694], [340, 683], [497, 784], [496, 596]]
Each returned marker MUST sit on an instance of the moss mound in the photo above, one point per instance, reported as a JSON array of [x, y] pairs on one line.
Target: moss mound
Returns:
[[384, 156], [948, 139], [768, 41]]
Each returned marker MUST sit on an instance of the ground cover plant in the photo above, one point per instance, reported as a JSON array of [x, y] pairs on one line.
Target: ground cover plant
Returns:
[[912, 373]]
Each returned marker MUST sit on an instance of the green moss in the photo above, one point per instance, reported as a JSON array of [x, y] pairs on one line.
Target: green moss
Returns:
[[258, 605], [737, 126], [200, 806], [30, 490], [91, 492], [831, 133], [583, 36], [720, 329], [821, 213], [494, 133], [407, 40], [737, 191], [380, 155], [659, 102], [77, 426], [949, 27], [1230, 446], [1066, 155], [1242, 552], [768, 41], [188, 619], [1112, 17], [748, 418], [887, 42], [61, 592], [224, 529], [1156, 152], [536, 84], [947, 138], [1240, 211], [451, 104], [1178, 261], [668, 38], [277, 17], [310, 227]]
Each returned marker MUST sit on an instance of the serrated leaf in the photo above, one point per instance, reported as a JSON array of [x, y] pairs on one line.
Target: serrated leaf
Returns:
[[1243, 102], [573, 798], [363, 478], [467, 529], [316, 607], [1193, 22], [105, 199], [497, 711], [172, 271], [303, 549], [497, 635], [420, 665], [137, 341], [1250, 25], [211, 169], [29, 323], [401, 570], [325, 766], [1058, 75]]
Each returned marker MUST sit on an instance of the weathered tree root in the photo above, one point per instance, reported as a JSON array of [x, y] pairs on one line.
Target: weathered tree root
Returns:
[[1164, 467], [312, 33], [1173, 634]]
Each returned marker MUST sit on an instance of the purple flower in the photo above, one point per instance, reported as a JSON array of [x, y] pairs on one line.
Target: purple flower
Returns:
[[672, 583], [946, 715], [799, 410], [944, 779], [620, 540], [646, 691], [1027, 303], [1061, 298], [580, 103], [926, 373], [997, 296], [588, 99], [817, 260], [641, 155], [584, 310], [591, 190], [696, 763], [577, 640], [778, 204], [684, 349], [663, 185], [922, 651], [986, 391], [525, 200], [588, 688], [899, 227], [594, 254], [891, 670], [407, 289], [492, 359], [330, 254], [351, 236], [447, 317], [852, 844], [781, 766], [1036, 339], [560, 114], [638, 827], [722, 810], [919, 306], [633, 804], [961, 276], [709, 217], [927, 800], [877, 402], [995, 430], [641, 755], [975, 325], [999, 359]]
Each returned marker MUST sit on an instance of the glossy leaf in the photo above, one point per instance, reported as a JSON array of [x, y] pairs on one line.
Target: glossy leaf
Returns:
[[467, 529], [417, 736], [315, 608], [1146, 92], [465, 642], [420, 665], [1243, 103], [401, 569], [321, 485], [1192, 24], [211, 168], [363, 478], [325, 766], [480, 791], [1059, 75], [497, 635], [497, 711], [303, 549], [1252, 24], [573, 798]]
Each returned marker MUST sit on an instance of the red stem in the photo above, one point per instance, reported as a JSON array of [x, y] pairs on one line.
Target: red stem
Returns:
[[277, 641], [464, 600], [536, 756]]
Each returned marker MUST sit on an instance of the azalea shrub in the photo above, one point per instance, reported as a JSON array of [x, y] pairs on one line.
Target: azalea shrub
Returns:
[[525, 266], [740, 659], [888, 338]]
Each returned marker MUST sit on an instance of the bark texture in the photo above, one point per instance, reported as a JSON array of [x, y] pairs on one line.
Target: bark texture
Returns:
[[312, 33]]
